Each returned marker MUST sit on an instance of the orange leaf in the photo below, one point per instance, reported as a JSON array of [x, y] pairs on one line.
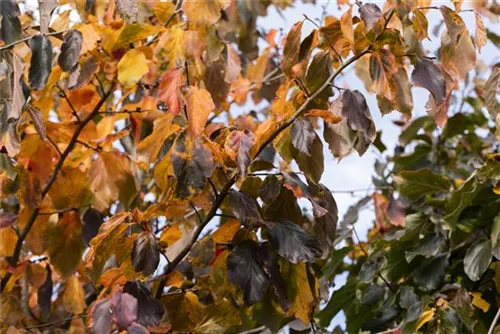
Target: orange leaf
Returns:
[[199, 106], [327, 115]]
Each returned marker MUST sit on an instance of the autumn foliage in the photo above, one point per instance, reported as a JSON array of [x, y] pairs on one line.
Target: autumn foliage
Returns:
[[143, 191]]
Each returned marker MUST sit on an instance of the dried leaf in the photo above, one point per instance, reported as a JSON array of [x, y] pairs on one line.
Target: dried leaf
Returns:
[[70, 50], [145, 254], [127, 9], [41, 61], [45, 293]]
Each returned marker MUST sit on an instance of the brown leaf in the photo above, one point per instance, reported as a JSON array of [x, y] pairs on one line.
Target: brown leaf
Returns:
[[37, 118], [291, 48], [356, 130], [192, 163], [238, 145], [429, 76], [481, 37], [233, 64], [100, 316], [127, 9], [145, 254], [7, 219], [124, 309], [45, 293], [370, 13]]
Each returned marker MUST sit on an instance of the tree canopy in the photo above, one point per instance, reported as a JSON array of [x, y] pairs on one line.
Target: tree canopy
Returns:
[[144, 188]]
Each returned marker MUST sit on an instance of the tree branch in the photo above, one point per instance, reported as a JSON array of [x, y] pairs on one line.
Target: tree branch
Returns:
[[31, 221], [225, 190], [25, 39]]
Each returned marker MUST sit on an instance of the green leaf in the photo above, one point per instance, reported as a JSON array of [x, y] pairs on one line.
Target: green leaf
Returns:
[[371, 267], [477, 259], [411, 131], [415, 184], [431, 272], [335, 260], [339, 300], [428, 247], [495, 237], [293, 243]]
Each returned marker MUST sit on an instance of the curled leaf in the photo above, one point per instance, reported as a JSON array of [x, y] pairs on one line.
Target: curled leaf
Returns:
[[41, 61], [70, 50], [145, 254]]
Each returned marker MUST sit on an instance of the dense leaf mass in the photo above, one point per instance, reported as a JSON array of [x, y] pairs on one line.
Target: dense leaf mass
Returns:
[[163, 167]]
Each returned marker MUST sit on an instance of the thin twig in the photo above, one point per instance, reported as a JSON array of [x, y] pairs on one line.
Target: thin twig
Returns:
[[22, 40], [494, 322], [97, 149], [214, 188], [197, 213], [31, 221], [73, 110], [255, 330], [367, 256], [48, 324], [326, 37], [54, 144]]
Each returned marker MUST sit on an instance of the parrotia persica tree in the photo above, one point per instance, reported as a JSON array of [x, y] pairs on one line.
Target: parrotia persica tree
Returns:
[[140, 194]]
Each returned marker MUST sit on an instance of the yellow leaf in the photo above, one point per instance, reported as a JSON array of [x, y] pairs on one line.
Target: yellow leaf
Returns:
[[175, 279], [112, 179], [135, 32], [148, 149], [74, 297], [8, 239], [204, 12], [199, 106], [425, 317], [170, 235], [170, 47], [132, 67], [479, 302], [226, 232], [163, 10], [65, 246], [302, 305]]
